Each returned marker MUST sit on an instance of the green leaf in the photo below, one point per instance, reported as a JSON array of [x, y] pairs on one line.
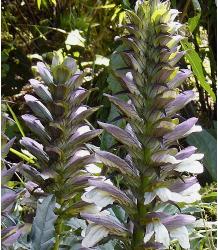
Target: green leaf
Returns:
[[119, 213], [21, 155], [210, 197], [73, 242], [196, 64], [193, 21], [39, 4], [16, 120], [76, 223], [54, 2], [75, 39], [213, 130], [173, 2], [106, 6], [108, 246], [43, 229], [126, 4], [207, 145]]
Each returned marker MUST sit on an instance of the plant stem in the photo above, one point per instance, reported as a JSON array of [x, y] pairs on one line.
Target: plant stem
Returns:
[[59, 223], [59, 227], [138, 232]]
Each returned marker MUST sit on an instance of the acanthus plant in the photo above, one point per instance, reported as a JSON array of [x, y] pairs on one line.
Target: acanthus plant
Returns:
[[156, 169], [64, 161]]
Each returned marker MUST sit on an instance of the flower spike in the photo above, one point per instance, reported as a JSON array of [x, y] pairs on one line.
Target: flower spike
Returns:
[[154, 164]]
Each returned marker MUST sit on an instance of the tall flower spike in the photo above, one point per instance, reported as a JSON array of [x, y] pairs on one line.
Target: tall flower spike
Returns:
[[59, 122], [156, 170]]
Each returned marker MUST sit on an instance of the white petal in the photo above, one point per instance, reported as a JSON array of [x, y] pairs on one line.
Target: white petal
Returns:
[[93, 169], [192, 198], [194, 167], [174, 13], [195, 128], [94, 234], [195, 157], [191, 164], [83, 233], [82, 153], [188, 196], [165, 195], [82, 130], [165, 158], [91, 209], [201, 223], [108, 181], [161, 234], [193, 189], [148, 236], [149, 196], [80, 110], [191, 194], [181, 234], [149, 232], [98, 197]]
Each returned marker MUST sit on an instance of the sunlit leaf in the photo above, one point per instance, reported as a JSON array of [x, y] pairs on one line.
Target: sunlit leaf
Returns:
[[74, 38], [193, 21], [196, 64], [39, 4], [16, 120], [21, 155]]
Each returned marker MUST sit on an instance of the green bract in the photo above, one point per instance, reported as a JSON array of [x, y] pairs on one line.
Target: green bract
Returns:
[[156, 170]]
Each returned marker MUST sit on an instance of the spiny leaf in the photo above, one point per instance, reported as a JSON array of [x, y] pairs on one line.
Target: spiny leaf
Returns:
[[43, 225]]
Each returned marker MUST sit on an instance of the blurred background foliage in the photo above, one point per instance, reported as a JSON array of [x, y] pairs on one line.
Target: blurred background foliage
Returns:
[[85, 29]]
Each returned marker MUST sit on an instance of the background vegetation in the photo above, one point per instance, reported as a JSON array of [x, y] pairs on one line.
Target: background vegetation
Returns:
[[85, 30]]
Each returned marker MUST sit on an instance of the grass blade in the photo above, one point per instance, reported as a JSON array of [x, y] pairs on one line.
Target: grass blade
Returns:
[[16, 120]]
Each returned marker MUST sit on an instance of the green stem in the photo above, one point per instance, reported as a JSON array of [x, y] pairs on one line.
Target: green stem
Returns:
[[60, 221], [59, 228], [138, 231]]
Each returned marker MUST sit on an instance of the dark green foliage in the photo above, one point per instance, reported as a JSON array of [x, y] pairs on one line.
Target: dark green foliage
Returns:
[[43, 230], [206, 143]]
